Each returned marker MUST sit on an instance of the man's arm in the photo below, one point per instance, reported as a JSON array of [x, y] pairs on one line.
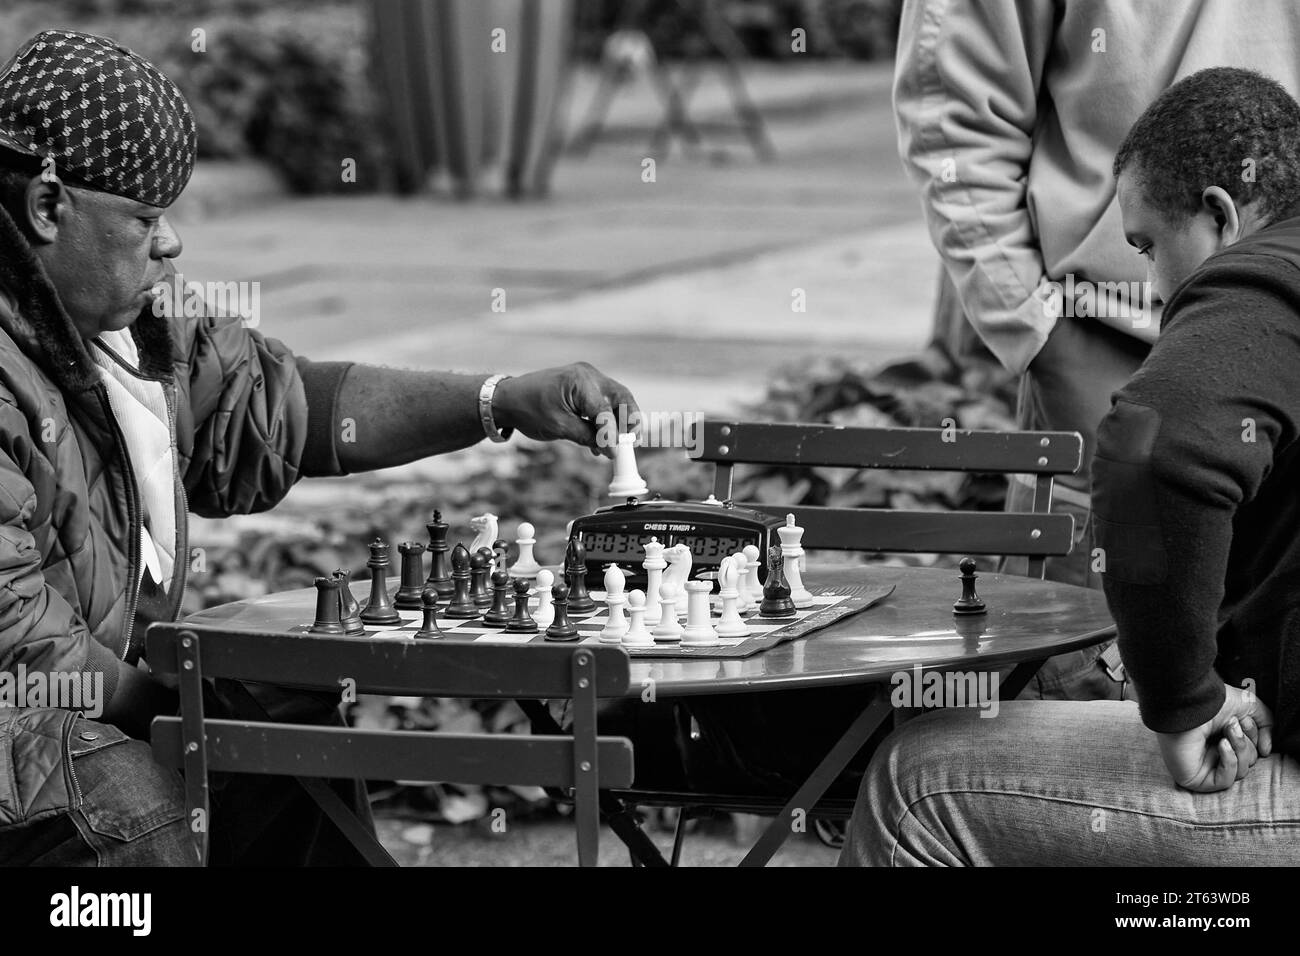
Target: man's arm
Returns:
[[966, 90], [1189, 439]]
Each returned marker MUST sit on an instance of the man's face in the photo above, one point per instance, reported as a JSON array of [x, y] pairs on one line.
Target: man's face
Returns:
[[1173, 247], [104, 253]]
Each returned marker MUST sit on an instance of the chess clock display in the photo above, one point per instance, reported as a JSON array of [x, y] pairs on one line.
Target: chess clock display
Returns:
[[618, 535]]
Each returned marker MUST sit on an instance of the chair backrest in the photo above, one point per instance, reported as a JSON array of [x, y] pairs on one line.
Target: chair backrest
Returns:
[[1036, 534], [199, 744]]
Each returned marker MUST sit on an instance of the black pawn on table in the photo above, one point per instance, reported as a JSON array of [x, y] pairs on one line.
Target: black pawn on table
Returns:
[[561, 628], [327, 607], [439, 570], [379, 609], [500, 553], [349, 607], [969, 602], [462, 605], [480, 567], [408, 592], [429, 630], [522, 622], [499, 615], [776, 589], [575, 576]]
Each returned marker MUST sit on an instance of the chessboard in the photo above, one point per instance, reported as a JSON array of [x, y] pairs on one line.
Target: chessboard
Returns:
[[827, 608]]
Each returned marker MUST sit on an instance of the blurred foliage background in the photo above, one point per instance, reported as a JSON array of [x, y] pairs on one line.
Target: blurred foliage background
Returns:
[[289, 82]]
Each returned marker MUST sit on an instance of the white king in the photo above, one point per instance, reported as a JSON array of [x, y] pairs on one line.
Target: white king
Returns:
[[792, 549]]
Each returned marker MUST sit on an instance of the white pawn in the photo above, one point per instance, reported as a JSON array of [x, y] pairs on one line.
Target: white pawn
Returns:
[[728, 578], [741, 564], [668, 630], [637, 635], [616, 626], [654, 565], [753, 584], [792, 550], [526, 566], [545, 612], [699, 628], [627, 481]]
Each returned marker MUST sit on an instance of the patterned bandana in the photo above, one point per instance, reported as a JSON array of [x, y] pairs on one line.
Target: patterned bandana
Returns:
[[110, 120]]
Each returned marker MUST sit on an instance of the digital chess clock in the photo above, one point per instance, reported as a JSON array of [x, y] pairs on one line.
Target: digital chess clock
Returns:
[[618, 535]]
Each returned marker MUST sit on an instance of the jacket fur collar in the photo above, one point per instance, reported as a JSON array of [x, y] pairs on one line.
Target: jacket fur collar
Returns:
[[41, 327]]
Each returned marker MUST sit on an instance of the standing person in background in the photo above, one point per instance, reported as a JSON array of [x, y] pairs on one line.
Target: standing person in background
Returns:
[[1009, 115]]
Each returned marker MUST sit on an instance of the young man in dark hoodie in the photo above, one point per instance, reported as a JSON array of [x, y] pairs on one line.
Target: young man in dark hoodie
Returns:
[[1195, 489]]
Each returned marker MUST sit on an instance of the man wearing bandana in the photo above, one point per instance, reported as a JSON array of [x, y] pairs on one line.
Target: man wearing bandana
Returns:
[[118, 414]]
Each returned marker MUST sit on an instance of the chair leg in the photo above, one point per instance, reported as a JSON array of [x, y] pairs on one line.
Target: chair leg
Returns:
[[347, 821], [679, 836]]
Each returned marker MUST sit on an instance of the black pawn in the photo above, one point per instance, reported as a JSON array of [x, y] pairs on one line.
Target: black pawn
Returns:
[[327, 607], [349, 608], [479, 568], [522, 622], [501, 552], [575, 576], [408, 594], [439, 570], [561, 629], [462, 605], [969, 602], [499, 615], [379, 609], [776, 589], [429, 604]]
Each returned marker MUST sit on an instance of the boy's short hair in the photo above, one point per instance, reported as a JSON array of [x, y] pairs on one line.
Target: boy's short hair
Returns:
[[1227, 127]]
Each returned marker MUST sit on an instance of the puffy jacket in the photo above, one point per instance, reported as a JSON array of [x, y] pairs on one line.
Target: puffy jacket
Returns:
[[244, 430]]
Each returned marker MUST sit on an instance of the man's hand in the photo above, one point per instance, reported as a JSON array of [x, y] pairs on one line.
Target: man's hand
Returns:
[[569, 403], [1222, 750]]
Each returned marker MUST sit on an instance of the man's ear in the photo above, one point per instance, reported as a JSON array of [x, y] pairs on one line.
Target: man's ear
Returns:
[[45, 207], [1223, 208]]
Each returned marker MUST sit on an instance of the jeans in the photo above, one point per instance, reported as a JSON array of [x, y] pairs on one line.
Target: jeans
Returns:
[[1048, 783]]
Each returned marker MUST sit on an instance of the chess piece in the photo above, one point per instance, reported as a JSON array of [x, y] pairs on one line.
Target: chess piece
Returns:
[[680, 562], [522, 622], [525, 565], [729, 573], [654, 565], [699, 630], [462, 605], [627, 481], [500, 554], [429, 630], [439, 570], [379, 609], [792, 548], [480, 567], [575, 576], [349, 608], [327, 608], [752, 582], [636, 634], [408, 592], [500, 613], [776, 592], [561, 628], [485, 532], [744, 602], [545, 610], [615, 600], [669, 629], [969, 602]]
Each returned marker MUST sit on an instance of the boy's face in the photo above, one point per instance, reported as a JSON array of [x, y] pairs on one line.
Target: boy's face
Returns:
[[1174, 248]]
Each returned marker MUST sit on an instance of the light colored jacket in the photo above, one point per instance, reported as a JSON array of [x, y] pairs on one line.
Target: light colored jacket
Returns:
[[1009, 116]]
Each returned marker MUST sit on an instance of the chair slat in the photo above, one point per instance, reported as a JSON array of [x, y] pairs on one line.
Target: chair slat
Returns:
[[306, 751], [431, 668], [927, 449], [963, 532]]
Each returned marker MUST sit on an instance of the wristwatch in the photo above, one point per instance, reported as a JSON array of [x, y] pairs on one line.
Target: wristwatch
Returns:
[[485, 393]]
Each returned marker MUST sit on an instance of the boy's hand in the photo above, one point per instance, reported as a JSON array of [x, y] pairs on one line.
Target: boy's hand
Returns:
[[1222, 750]]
